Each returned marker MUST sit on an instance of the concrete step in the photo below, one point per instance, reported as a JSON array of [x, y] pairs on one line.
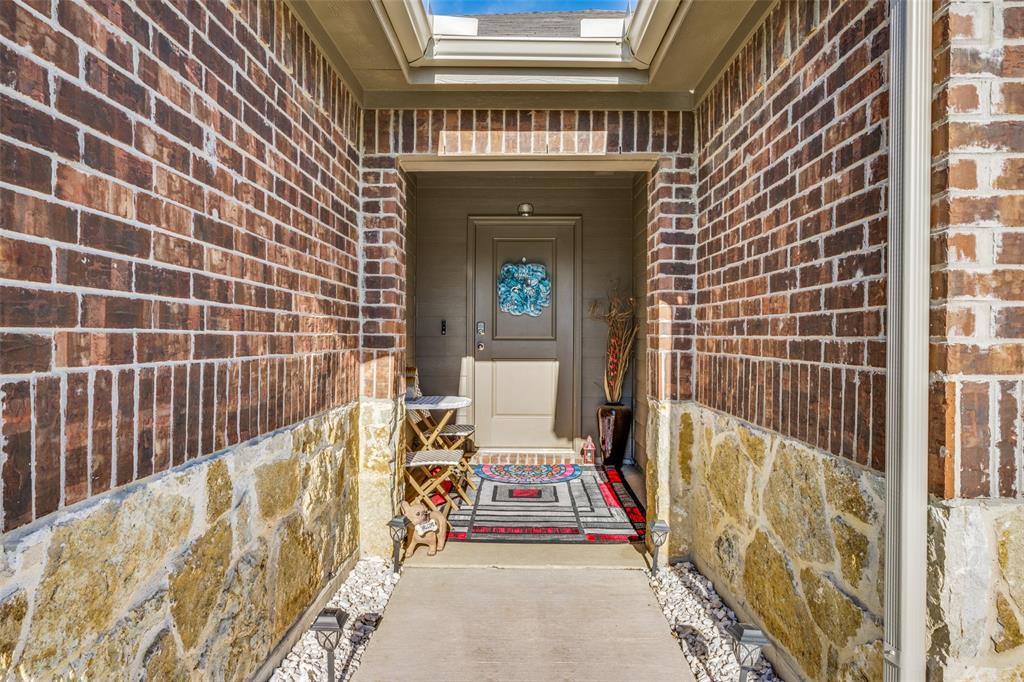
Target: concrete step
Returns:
[[522, 555]]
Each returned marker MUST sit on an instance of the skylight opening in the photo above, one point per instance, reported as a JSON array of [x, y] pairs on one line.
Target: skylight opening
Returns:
[[535, 19], [527, 34], [461, 8]]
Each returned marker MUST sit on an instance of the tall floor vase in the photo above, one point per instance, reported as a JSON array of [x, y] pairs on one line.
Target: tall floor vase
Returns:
[[614, 421]]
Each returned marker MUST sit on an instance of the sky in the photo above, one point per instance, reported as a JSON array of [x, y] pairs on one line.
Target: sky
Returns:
[[462, 7]]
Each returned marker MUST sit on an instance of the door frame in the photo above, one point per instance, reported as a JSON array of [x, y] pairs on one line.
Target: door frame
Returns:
[[576, 223]]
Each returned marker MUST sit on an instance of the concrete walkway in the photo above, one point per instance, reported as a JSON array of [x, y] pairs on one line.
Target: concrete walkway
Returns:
[[567, 620], [511, 555]]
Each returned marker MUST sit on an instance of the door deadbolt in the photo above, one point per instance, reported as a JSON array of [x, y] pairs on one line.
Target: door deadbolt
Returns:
[[481, 328]]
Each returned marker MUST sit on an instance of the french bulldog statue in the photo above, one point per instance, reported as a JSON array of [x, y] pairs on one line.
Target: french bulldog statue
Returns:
[[426, 527]]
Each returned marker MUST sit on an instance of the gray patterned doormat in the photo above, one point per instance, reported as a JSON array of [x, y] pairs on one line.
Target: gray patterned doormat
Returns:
[[589, 505]]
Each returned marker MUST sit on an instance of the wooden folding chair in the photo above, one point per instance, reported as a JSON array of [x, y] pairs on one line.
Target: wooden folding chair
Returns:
[[427, 472]]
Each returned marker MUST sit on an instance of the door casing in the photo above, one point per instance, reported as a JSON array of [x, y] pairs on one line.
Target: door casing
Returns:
[[576, 223]]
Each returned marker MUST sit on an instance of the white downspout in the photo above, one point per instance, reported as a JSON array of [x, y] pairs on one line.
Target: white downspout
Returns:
[[906, 525]]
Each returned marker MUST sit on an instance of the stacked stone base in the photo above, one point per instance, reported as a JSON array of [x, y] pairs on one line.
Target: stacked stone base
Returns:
[[976, 590], [792, 537], [203, 568]]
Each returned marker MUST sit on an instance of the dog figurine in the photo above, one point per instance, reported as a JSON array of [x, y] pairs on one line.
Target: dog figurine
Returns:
[[426, 527]]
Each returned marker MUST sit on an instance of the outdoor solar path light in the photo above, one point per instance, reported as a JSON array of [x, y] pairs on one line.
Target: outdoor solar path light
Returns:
[[327, 627], [659, 533], [398, 527], [747, 648]]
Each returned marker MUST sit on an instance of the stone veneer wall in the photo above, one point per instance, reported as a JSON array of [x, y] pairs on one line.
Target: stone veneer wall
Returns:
[[976, 453], [203, 569], [975, 590], [791, 536]]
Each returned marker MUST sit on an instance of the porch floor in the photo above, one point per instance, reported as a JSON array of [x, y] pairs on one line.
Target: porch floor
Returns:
[[554, 623]]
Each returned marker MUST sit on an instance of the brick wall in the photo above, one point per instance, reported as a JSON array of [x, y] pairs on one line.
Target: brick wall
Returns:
[[791, 240], [178, 239], [495, 133], [179, 235], [977, 316], [671, 285]]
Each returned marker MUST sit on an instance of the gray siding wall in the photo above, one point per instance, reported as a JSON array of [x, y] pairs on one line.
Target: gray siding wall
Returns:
[[444, 201]]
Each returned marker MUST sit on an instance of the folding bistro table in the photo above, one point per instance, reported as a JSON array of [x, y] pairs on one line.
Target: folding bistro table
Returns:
[[428, 430]]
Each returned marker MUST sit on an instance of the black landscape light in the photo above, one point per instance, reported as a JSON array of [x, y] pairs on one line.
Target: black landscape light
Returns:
[[327, 626], [398, 526], [747, 647], [659, 533]]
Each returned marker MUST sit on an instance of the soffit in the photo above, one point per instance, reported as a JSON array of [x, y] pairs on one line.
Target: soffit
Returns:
[[353, 37], [536, 179]]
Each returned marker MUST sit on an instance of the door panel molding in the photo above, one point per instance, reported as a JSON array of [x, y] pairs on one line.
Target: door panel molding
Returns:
[[575, 222]]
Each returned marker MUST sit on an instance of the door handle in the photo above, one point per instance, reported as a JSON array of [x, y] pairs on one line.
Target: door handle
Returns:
[[480, 346]]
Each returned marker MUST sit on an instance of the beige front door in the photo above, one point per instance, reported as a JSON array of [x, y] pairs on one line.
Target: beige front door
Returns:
[[525, 335]]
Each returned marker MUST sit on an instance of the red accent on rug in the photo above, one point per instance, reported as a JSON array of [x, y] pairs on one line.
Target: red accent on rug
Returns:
[[529, 493], [596, 505], [524, 530], [610, 498]]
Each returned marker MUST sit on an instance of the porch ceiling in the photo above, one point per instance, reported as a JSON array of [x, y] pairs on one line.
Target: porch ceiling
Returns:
[[353, 36]]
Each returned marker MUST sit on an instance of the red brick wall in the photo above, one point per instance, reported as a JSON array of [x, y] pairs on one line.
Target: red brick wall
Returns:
[[179, 235], [178, 239], [977, 316], [384, 253], [671, 224], [792, 162], [671, 281]]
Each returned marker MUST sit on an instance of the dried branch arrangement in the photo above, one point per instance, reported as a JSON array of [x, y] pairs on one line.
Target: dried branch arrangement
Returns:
[[619, 313]]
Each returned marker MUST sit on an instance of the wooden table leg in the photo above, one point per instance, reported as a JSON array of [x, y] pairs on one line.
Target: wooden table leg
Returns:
[[416, 429], [437, 429]]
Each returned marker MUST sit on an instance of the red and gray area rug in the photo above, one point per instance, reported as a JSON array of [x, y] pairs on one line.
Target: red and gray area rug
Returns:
[[549, 503]]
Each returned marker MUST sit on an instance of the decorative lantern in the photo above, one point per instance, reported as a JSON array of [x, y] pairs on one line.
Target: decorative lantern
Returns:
[[327, 627], [589, 451], [659, 534], [747, 648], [397, 526]]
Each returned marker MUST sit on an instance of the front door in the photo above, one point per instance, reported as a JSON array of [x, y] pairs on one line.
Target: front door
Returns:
[[525, 331]]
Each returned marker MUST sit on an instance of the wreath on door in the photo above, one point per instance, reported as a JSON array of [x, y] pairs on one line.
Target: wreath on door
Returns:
[[524, 288]]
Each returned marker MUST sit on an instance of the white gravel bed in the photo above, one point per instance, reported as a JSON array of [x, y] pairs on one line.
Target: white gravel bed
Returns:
[[363, 596], [697, 617]]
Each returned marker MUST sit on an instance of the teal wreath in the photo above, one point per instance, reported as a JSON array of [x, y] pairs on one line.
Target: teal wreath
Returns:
[[523, 289]]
